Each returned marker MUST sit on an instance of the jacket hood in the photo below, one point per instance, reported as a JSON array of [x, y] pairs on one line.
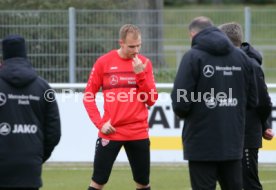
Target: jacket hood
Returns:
[[17, 71], [252, 52], [213, 41]]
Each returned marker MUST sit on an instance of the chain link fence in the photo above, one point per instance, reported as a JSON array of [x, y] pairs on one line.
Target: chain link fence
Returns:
[[64, 44]]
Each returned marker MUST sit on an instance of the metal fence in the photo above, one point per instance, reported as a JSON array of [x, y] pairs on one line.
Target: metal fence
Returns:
[[63, 44]]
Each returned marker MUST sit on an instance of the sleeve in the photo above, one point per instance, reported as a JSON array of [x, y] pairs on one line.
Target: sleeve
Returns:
[[146, 84], [265, 105], [93, 85], [252, 88], [52, 129], [184, 84], [267, 124]]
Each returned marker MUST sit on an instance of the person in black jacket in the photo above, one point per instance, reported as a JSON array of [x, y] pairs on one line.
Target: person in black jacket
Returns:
[[212, 89], [256, 119], [29, 119]]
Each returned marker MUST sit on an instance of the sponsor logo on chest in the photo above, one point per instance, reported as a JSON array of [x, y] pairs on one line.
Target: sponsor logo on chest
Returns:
[[209, 70]]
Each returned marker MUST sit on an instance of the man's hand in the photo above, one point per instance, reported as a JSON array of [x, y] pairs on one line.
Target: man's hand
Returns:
[[108, 128], [268, 134], [138, 66]]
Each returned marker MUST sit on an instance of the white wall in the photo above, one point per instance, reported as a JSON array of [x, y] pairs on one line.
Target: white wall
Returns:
[[79, 134]]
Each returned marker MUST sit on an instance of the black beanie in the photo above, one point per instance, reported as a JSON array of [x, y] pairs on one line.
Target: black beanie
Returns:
[[13, 46]]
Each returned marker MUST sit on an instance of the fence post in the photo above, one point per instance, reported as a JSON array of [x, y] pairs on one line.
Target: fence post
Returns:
[[247, 24], [72, 44]]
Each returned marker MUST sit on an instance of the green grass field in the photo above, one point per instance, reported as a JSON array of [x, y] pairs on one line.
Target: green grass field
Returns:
[[76, 176]]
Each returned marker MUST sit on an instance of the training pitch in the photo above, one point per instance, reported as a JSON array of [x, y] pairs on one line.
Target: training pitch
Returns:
[[164, 176]]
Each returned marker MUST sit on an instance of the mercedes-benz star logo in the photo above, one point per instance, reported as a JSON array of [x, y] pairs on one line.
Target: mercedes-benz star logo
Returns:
[[208, 71], [211, 102], [113, 80], [3, 99]]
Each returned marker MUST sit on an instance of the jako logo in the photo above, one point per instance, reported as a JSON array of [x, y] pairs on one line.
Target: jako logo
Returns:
[[5, 129], [26, 128]]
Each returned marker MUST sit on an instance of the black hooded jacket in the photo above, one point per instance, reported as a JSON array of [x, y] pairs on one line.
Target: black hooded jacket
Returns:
[[214, 85], [29, 124], [256, 119]]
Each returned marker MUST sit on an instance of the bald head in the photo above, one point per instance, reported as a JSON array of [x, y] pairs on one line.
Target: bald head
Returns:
[[200, 23]]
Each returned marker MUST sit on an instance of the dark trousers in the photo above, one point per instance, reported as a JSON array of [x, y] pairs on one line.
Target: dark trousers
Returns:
[[204, 175], [251, 179], [138, 153]]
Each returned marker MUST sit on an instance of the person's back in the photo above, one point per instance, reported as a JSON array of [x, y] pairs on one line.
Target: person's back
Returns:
[[29, 124], [211, 92], [256, 118], [217, 80]]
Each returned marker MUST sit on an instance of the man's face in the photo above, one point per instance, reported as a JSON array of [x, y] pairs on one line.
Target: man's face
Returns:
[[131, 46]]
